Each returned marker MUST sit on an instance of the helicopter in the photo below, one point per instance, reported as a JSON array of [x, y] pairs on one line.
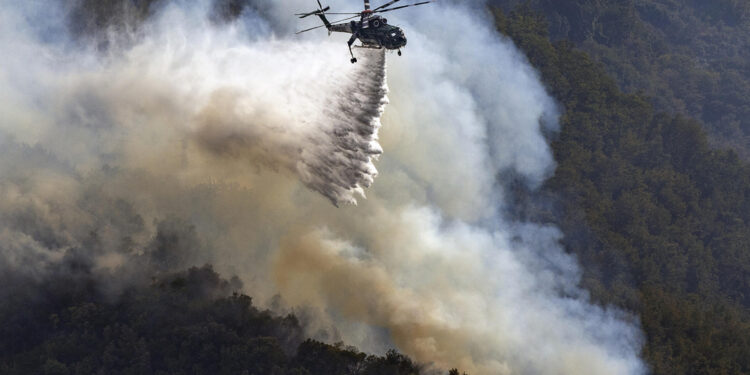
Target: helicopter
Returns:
[[371, 29]]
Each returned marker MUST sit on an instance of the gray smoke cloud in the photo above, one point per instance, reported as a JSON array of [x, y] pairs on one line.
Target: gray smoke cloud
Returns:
[[227, 144], [329, 139]]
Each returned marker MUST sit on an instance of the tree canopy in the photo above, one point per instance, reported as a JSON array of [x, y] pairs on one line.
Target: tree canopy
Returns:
[[690, 57], [657, 217], [183, 323]]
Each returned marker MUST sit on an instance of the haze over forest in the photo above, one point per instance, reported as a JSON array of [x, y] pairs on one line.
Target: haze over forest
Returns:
[[534, 187]]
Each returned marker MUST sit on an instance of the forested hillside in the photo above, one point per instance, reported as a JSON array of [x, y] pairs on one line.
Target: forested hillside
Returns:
[[690, 57], [659, 219], [651, 192], [184, 323]]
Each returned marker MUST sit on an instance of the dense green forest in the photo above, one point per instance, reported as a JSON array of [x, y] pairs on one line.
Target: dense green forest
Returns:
[[689, 56], [185, 323], [659, 219]]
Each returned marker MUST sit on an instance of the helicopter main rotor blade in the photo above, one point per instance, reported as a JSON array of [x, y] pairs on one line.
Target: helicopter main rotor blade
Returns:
[[315, 12], [386, 5], [403, 6], [312, 28], [319, 12], [332, 23]]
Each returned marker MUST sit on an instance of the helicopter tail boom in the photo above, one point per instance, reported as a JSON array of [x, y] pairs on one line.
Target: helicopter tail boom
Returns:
[[325, 22]]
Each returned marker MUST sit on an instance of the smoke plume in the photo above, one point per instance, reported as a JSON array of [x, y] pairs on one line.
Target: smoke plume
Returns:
[[185, 140]]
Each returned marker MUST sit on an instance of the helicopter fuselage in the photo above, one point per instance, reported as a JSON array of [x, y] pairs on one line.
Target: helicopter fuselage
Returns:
[[374, 32], [371, 29]]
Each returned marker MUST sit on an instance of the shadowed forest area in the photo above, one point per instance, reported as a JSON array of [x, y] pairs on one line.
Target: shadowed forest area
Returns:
[[184, 323], [689, 57], [658, 218]]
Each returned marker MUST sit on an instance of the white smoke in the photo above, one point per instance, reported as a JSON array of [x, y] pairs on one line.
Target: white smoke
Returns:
[[329, 137], [246, 135]]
